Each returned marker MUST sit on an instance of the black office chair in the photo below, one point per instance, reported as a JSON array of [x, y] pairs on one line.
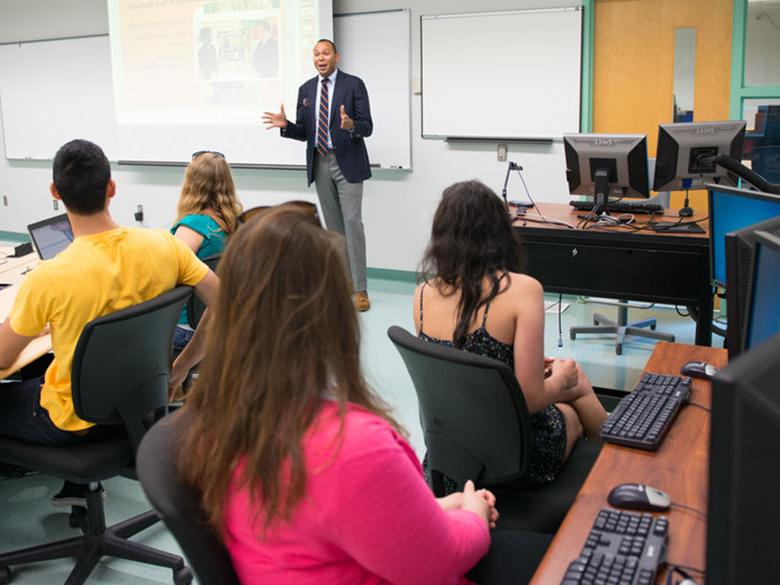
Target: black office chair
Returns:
[[119, 377], [476, 426], [305, 207], [196, 307], [178, 504]]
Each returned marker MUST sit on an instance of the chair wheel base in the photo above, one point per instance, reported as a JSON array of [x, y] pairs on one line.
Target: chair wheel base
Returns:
[[5, 574], [182, 576]]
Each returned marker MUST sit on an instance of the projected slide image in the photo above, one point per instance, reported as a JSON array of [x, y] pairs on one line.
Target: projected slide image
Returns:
[[185, 62], [241, 47]]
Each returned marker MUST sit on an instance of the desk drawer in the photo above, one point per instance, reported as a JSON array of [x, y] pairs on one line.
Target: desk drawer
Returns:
[[641, 273]]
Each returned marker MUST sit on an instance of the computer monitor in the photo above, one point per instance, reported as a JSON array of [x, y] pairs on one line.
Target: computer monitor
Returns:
[[732, 209], [686, 152], [763, 311], [740, 248], [51, 236], [744, 470], [606, 165]]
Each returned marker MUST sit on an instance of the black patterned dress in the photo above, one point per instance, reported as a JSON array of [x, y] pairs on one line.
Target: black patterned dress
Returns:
[[548, 427]]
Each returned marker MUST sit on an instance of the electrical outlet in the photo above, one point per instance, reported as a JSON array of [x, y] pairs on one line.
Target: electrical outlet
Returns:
[[502, 152], [139, 213], [55, 204]]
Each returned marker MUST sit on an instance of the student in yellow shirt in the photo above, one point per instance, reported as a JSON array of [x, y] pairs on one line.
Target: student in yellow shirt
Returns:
[[106, 268]]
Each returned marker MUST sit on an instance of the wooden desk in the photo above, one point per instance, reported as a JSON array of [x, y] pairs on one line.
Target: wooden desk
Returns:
[[616, 263], [12, 272], [679, 468]]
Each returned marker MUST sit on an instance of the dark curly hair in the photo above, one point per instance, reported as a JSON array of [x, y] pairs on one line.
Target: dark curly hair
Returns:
[[471, 239]]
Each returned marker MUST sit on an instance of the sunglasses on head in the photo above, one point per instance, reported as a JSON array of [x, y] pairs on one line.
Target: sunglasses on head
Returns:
[[214, 152]]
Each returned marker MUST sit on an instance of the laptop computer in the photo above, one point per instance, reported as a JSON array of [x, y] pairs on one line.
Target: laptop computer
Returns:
[[51, 236]]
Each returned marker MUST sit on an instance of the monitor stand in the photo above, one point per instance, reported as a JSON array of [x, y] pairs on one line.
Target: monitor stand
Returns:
[[601, 189]]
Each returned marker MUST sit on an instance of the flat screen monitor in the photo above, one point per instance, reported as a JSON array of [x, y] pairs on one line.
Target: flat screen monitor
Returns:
[[732, 209], [763, 312], [740, 249], [51, 236], [686, 152], [606, 165], [743, 507]]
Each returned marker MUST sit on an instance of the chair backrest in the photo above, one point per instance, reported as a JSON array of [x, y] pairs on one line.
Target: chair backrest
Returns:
[[305, 206], [122, 361], [196, 307], [473, 414], [178, 504]]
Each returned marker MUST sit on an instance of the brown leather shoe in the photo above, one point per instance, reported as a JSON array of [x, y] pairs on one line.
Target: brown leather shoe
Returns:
[[362, 303]]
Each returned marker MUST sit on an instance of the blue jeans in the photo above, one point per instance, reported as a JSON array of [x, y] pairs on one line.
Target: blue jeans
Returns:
[[23, 417], [181, 337]]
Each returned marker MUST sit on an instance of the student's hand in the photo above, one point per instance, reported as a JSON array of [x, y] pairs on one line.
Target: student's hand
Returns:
[[477, 503], [451, 502], [491, 500], [455, 502], [346, 122], [275, 119], [565, 371], [548, 362]]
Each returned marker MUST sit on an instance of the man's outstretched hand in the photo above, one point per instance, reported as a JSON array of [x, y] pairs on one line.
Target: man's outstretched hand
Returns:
[[275, 119]]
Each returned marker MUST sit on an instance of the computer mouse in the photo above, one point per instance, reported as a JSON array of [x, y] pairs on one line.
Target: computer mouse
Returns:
[[638, 496], [701, 370]]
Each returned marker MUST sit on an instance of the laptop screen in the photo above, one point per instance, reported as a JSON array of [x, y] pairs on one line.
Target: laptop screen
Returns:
[[51, 236]]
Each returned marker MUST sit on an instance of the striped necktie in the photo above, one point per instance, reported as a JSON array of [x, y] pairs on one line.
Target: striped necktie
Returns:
[[322, 124]]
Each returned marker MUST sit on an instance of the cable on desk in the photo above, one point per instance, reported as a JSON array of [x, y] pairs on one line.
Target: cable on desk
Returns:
[[684, 507], [707, 408], [536, 207], [672, 565], [544, 220]]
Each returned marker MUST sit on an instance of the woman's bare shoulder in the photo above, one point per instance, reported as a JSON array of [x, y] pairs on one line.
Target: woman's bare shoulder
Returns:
[[523, 285]]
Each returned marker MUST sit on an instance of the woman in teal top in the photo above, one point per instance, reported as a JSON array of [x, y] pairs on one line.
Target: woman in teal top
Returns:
[[206, 216]]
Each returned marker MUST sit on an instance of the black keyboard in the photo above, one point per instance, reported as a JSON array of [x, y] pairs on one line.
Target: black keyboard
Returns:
[[642, 418], [619, 206], [623, 548]]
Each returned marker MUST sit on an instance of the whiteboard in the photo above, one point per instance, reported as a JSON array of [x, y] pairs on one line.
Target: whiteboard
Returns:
[[54, 91], [513, 74], [378, 50]]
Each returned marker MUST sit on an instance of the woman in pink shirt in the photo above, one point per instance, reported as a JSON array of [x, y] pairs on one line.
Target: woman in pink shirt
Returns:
[[300, 466]]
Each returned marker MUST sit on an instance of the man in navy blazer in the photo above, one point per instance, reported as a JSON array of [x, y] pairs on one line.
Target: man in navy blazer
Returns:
[[333, 117]]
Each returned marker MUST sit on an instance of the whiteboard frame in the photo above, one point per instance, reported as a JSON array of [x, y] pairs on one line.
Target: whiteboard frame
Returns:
[[490, 137]]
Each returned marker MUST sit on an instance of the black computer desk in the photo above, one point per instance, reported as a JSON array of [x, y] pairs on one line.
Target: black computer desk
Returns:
[[671, 268]]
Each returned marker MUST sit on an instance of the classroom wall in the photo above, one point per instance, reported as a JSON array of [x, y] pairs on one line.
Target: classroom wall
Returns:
[[398, 206]]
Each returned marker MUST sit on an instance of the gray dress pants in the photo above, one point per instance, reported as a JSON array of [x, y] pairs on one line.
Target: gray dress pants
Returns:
[[341, 203]]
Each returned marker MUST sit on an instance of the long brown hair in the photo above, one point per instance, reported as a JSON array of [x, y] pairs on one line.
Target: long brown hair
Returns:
[[284, 332], [208, 188], [471, 239]]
